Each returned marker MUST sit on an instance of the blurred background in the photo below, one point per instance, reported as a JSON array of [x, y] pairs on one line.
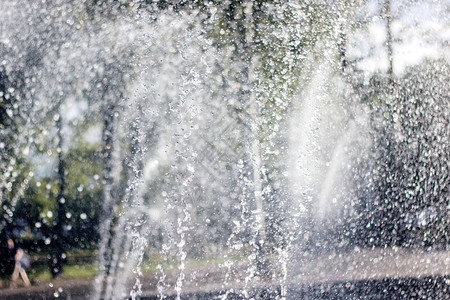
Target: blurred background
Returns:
[[140, 137]]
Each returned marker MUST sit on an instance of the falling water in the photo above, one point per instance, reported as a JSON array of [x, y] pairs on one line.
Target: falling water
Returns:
[[242, 145]]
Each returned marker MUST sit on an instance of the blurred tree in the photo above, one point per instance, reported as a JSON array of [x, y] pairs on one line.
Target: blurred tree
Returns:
[[14, 169], [408, 165], [424, 148]]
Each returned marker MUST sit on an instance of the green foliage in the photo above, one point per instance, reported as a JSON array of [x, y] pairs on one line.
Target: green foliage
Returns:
[[83, 196], [36, 209]]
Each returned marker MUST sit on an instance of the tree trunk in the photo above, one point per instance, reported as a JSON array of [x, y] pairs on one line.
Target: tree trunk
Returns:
[[57, 256]]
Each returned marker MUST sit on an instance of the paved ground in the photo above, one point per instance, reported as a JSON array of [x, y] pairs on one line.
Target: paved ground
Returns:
[[65, 289], [370, 264], [363, 274]]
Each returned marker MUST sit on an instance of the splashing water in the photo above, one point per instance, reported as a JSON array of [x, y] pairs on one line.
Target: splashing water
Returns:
[[231, 149]]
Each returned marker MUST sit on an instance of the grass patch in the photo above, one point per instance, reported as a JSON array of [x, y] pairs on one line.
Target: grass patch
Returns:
[[42, 273], [79, 271], [39, 274], [86, 270], [150, 264]]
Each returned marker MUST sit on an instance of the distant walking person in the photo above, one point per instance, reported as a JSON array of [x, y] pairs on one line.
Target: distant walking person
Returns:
[[20, 260]]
